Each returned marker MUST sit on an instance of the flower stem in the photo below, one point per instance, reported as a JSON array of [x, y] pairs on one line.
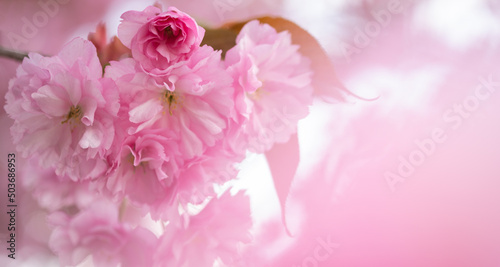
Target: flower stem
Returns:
[[15, 55]]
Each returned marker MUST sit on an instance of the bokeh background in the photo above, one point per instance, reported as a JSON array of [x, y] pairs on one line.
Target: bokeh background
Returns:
[[410, 178]]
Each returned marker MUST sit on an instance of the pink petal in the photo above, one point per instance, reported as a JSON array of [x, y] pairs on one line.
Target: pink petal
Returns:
[[146, 111], [49, 103], [80, 49], [283, 174], [91, 138]]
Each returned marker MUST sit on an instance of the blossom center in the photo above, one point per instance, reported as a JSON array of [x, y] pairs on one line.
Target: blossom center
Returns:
[[169, 32], [170, 99], [130, 158], [75, 115], [256, 95]]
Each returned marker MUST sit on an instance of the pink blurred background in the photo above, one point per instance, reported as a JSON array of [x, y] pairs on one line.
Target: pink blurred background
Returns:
[[433, 130]]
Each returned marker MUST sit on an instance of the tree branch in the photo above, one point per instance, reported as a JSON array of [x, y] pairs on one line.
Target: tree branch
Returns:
[[15, 55]]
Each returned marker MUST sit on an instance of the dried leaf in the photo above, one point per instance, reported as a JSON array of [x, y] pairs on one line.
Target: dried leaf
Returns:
[[220, 39]]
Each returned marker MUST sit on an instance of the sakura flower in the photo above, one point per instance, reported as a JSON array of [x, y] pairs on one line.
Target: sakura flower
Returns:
[[146, 170], [214, 233], [63, 110], [274, 80], [97, 232], [195, 101], [159, 39], [215, 167]]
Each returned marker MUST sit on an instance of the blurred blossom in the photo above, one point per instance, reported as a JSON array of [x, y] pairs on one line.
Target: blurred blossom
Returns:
[[427, 76], [218, 12], [217, 232], [97, 232], [44, 25]]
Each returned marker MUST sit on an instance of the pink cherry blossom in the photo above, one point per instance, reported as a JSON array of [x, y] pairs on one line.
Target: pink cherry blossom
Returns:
[[152, 174], [63, 110], [97, 232], [274, 80], [159, 39], [195, 100], [214, 233], [146, 170], [215, 167]]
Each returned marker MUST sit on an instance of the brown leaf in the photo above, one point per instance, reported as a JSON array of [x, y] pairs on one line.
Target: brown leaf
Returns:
[[220, 39]]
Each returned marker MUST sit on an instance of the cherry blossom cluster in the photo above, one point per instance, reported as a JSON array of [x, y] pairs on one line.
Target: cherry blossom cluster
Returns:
[[120, 154]]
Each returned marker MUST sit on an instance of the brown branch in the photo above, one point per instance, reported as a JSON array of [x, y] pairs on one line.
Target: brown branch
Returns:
[[15, 55]]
